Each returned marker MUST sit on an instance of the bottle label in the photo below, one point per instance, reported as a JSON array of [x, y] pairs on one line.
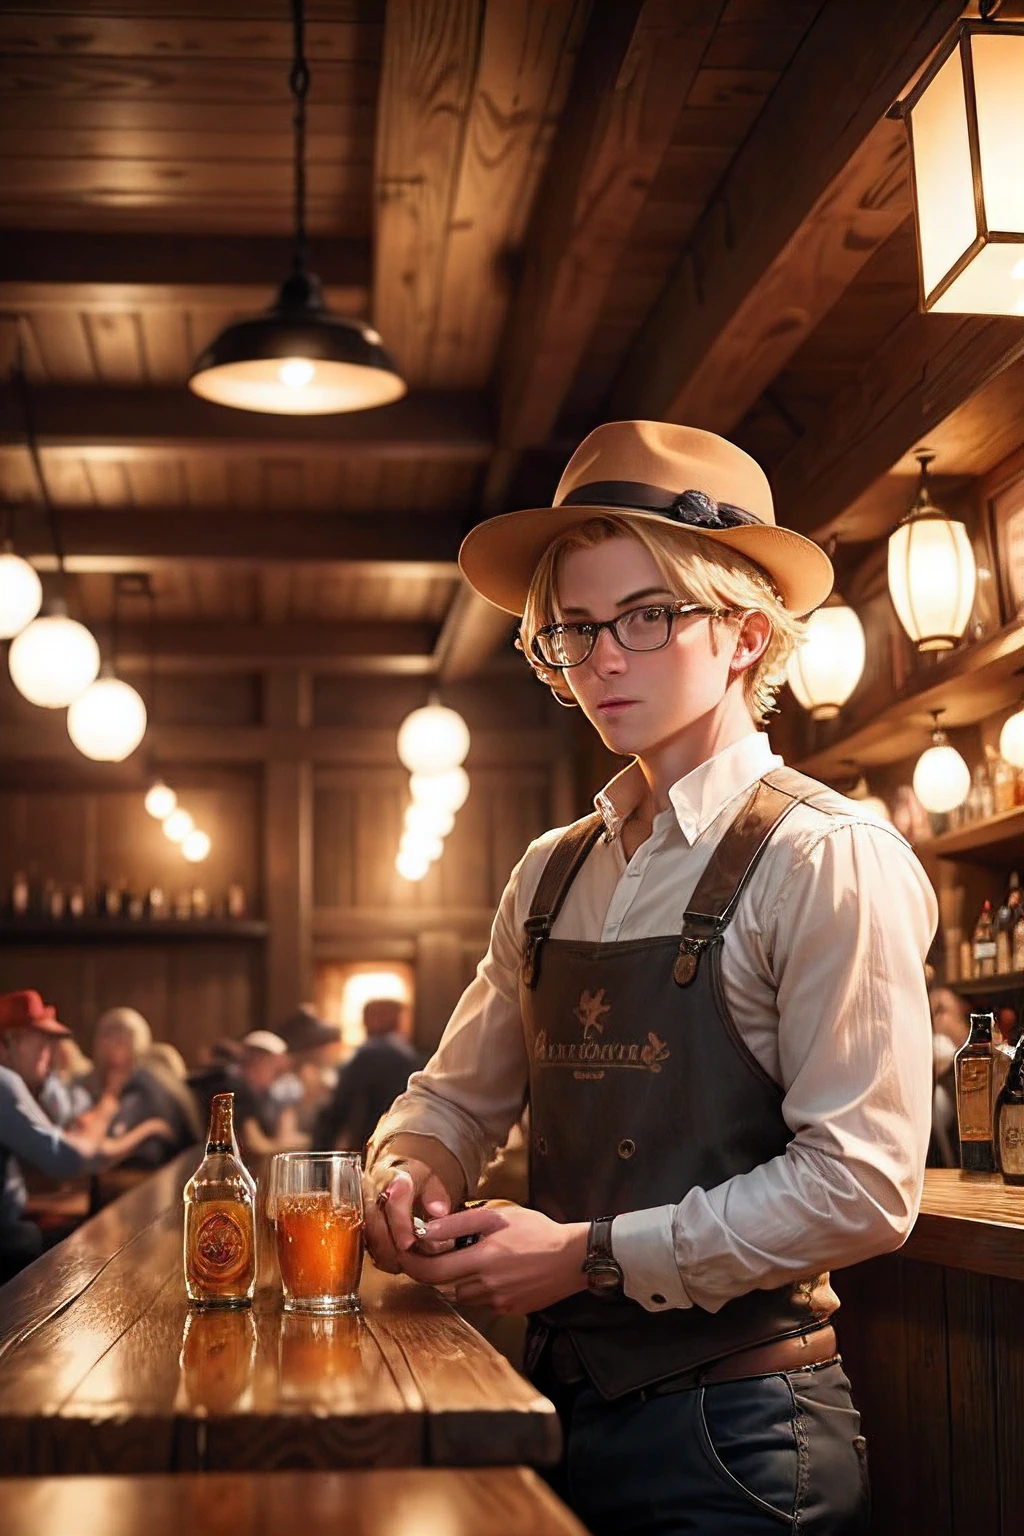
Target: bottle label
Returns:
[[1011, 1138], [984, 950], [221, 1250], [972, 1100]]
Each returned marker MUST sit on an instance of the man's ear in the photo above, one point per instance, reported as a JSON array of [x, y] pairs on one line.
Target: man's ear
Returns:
[[752, 640]]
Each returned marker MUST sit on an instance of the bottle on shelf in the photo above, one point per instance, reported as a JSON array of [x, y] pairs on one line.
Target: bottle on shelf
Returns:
[[134, 905], [183, 905], [1018, 941], [112, 899], [983, 945], [1009, 1120], [156, 902], [1005, 919], [236, 905], [54, 901], [979, 802], [20, 894], [220, 1219], [76, 902], [1004, 781], [973, 1069], [200, 902]]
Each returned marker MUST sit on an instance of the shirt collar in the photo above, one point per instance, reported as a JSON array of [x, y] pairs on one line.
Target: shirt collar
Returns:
[[699, 796]]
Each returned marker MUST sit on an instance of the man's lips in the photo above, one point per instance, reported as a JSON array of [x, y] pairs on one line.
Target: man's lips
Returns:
[[615, 706]]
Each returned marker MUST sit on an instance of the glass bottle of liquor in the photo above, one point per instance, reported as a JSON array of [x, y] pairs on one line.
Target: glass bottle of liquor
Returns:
[[1005, 919], [20, 895], [972, 1066], [984, 943], [1018, 941], [1009, 1120], [1004, 778], [220, 1220]]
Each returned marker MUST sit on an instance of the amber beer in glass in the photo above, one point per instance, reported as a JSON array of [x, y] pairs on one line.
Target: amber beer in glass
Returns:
[[220, 1226], [316, 1205]]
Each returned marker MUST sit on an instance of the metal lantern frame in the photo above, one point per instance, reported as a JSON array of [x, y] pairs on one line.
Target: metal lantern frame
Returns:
[[985, 235]]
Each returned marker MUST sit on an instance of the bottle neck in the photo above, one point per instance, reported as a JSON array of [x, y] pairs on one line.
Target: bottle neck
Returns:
[[221, 1135], [981, 1029]]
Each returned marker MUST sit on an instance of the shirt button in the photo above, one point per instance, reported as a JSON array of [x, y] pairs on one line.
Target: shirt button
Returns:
[[658, 1299], [626, 1148]]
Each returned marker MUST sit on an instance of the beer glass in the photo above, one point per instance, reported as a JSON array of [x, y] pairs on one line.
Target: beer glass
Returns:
[[315, 1202]]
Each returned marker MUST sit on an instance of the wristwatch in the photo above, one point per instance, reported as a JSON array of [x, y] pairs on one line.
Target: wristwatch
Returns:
[[604, 1275]]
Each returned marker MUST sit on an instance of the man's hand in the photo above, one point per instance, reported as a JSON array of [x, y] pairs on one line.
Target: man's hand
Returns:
[[523, 1262], [392, 1195]]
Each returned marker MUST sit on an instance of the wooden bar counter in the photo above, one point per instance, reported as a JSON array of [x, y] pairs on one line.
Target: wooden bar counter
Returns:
[[104, 1368], [933, 1341]]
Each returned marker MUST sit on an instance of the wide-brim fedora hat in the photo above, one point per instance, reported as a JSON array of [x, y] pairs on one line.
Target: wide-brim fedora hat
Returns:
[[655, 472]]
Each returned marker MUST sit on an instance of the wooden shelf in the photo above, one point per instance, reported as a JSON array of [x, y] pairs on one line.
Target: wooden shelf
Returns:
[[989, 986], [122, 930], [998, 839], [967, 684]]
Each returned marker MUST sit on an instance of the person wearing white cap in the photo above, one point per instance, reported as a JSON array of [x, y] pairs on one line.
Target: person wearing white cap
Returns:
[[263, 1126], [711, 994]]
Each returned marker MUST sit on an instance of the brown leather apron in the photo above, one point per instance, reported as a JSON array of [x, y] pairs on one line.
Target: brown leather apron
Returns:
[[641, 1089]]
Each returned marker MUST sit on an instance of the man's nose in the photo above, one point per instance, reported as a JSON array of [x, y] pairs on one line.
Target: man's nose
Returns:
[[608, 655]]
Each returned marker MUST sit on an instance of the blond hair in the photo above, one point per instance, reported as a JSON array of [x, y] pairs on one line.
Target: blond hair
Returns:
[[696, 569]]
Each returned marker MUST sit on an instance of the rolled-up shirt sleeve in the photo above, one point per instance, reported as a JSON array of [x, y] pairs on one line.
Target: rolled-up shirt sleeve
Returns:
[[473, 1089], [845, 947], [30, 1136]]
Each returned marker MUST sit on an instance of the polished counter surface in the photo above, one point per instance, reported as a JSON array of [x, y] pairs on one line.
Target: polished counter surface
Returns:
[[104, 1367], [970, 1221]]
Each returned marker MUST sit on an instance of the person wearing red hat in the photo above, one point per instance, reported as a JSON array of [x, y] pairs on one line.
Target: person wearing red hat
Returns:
[[711, 994], [28, 1032]]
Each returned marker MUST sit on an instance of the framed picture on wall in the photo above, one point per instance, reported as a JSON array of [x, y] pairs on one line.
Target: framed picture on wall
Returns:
[[1007, 514]]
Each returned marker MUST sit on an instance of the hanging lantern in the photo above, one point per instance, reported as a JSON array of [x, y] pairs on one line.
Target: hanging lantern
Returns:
[[53, 660], [941, 777], [411, 866], [1011, 740], [826, 666], [421, 845], [431, 820], [107, 721], [965, 119], [21, 593], [195, 846], [160, 800], [297, 359], [433, 739], [447, 790], [178, 826], [932, 574]]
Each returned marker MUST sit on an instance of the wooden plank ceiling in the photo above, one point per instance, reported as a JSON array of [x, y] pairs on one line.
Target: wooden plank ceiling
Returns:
[[557, 212]]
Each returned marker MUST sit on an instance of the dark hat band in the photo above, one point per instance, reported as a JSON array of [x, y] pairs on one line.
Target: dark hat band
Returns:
[[696, 509]]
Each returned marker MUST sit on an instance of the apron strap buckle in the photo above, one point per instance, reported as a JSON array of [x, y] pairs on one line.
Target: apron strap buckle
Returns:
[[538, 928]]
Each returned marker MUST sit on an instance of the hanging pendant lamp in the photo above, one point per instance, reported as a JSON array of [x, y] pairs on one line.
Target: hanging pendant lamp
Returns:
[[297, 359], [826, 666], [21, 592], [941, 777], [932, 572]]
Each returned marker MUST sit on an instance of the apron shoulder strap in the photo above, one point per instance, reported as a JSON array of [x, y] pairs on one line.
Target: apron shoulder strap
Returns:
[[563, 865], [734, 860]]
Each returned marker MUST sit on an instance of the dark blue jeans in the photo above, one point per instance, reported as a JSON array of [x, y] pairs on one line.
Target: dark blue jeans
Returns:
[[741, 1458]]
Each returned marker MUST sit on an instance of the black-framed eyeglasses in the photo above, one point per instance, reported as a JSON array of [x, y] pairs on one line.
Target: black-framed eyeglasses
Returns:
[[648, 628]]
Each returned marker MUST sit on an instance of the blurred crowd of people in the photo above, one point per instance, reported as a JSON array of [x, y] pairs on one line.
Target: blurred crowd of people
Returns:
[[136, 1105]]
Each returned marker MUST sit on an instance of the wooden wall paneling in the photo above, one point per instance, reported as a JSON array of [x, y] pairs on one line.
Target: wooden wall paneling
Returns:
[[141, 977], [379, 809], [971, 1393], [1007, 1304], [334, 874], [288, 852], [64, 977], [466, 866], [439, 985], [929, 1490], [215, 990], [519, 803]]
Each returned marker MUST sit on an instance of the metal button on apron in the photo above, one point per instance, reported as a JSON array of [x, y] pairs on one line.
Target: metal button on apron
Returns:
[[626, 1148]]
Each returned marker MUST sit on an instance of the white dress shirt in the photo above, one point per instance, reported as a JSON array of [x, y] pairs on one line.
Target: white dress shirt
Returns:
[[823, 973]]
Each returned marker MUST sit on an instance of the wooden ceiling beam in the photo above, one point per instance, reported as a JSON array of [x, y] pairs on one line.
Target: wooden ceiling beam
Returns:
[[634, 71], [472, 631], [400, 649], [125, 540], [85, 270], [817, 185], [84, 422], [924, 372]]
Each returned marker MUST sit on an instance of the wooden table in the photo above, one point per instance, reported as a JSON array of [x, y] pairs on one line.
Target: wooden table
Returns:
[[103, 1367], [501, 1501]]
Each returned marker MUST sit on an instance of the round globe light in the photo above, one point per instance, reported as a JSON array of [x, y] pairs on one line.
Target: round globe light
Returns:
[[941, 777], [53, 661], [107, 721], [826, 666], [410, 867], [178, 826], [432, 739], [422, 845], [21, 593], [448, 790], [1011, 740], [160, 800], [195, 846], [431, 820]]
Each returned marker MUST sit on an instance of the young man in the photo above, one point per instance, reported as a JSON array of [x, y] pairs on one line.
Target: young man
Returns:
[[712, 995]]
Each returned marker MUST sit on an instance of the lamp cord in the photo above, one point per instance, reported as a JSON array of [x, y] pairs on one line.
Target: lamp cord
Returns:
[[299, 84], [28, 418]]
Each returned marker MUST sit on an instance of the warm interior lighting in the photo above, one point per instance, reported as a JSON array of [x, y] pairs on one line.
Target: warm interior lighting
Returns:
[[53, 660], [966, 123], [433, 739], [160, 800], [178, 826], [1011, 739], [448, 789], [826, 666], [941, 777], [932, 573], [21, 593], [195, 846], [412, 866], [422, 846], [432, 820], [107, 722]]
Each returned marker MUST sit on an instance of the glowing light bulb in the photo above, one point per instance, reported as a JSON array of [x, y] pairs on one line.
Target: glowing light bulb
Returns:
[[411, 867], [160, 800], [196, 846], [178, 826], [1017, 270], [296, 372]]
